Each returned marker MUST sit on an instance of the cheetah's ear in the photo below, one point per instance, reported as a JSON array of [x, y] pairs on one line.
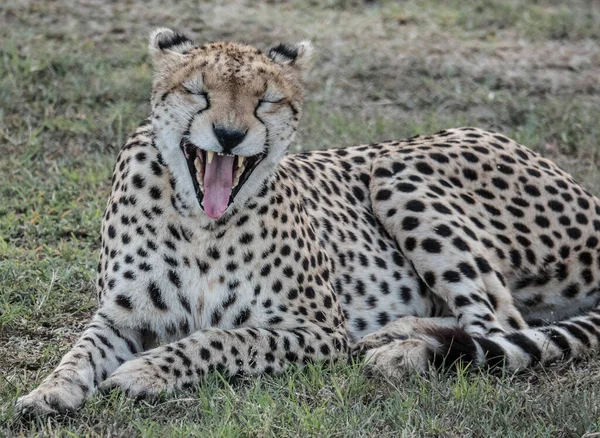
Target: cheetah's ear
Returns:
[[166, 41], [296, 55]]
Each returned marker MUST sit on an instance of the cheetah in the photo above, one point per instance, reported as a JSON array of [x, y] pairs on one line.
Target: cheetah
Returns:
[[220, 251]]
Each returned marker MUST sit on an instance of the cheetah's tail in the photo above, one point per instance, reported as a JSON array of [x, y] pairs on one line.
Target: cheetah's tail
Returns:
[[521, 349]]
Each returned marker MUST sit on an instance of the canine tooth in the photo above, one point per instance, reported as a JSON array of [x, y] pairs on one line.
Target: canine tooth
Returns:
[[210, 156], [240, 160], [239, 171]]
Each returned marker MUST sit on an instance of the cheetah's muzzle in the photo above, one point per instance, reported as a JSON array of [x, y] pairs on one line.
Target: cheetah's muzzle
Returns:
[[217, 178]]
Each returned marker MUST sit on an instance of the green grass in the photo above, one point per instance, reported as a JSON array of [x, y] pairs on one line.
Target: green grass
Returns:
[[75, 80]]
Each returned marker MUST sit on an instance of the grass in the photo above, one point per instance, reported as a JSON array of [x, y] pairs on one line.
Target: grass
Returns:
[[75, 80]]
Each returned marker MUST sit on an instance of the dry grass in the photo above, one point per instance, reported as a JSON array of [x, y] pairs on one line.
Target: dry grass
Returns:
[[75, 80]]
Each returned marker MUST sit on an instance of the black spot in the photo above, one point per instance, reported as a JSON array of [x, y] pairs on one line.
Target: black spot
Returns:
[[521, 228], [246, 238], [383, 318], [470, 174], [574, 233], [485, 194], [383, 195], [470, 157], [443, 230], [431, 245], [492, 210], [517, 212], [556, 206], [382, 172], [410, 243], [242, 317], [410, 223], [500, 183], [398, 167], [546, 240], [174, 278], [460, 244], [542, 221], [440, 208], [586, 258], [451, 276], [467, 270], [581, 219], [140, 156], [405, 187], [583, 203], [124, 302], [424, 168], [483, 266], [213, 252], [592, 242], [156, 296], [440, 158], [461, 301], [204, 353], [415, 205], [138, 181], [155, 192], [532, 190], [571, 290]]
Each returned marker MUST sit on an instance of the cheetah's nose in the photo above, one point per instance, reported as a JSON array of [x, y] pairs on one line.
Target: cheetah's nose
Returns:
[[228, 138]]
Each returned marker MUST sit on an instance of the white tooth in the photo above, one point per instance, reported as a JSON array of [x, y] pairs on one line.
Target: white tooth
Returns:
[[238, 172], [198, 164], [210, 156], [240, 160]]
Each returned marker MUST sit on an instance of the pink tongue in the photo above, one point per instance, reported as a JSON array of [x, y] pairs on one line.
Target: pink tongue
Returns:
[[218, 182]]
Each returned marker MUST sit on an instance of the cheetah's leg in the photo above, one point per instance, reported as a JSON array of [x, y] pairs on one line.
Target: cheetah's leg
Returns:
[[448, 256], [100, 350], [181, 365]]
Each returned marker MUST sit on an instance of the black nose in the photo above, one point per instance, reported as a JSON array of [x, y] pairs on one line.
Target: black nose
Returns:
[[228, 138]]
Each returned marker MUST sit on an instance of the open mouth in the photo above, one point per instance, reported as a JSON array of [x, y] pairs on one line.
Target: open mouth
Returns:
[[217, 177]]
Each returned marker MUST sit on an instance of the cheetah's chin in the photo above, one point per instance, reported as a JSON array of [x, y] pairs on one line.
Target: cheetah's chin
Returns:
[[217, 177]]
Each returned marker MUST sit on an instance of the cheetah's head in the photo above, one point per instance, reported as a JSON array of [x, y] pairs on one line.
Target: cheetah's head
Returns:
[[224, 114]]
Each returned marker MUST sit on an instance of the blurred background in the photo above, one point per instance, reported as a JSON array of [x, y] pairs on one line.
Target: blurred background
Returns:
[[75, 81]]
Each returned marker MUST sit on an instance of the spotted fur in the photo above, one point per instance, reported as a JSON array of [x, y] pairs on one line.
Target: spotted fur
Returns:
[[460, 245]]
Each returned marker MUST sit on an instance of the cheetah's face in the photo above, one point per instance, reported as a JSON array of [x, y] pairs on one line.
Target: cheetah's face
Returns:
[[224, 114]]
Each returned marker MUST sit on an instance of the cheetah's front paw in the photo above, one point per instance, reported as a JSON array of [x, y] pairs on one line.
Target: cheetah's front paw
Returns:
[[56, 395], [139, 378]]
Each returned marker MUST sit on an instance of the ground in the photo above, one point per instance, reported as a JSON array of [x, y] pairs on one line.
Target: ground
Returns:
[[75, 80]]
